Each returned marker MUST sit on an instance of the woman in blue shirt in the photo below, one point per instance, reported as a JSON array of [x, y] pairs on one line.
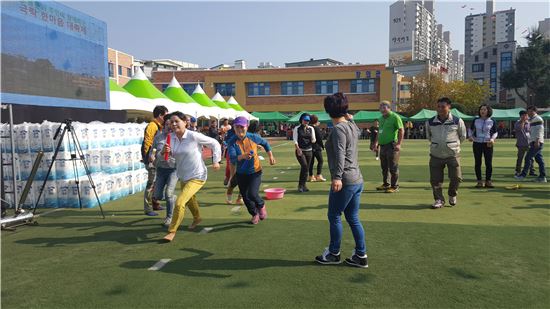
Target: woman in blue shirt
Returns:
[[243, 151]]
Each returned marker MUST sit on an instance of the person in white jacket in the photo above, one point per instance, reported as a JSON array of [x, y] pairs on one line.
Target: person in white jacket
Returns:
[[536, 144], [186, 148], [445, 133]]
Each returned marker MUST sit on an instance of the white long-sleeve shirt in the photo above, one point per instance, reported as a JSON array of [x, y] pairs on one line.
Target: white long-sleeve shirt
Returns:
[[188, 154], [536, 129]]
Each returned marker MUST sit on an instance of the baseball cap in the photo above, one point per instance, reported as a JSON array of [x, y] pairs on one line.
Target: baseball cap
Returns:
[[306, 118], [240, 121], [193, 119]]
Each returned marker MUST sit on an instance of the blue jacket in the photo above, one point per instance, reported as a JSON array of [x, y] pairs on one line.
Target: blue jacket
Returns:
[[237, 147]]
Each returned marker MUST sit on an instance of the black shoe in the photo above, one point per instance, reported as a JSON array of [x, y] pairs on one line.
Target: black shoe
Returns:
[[358, 261], [533, 174], [301, 189], [328, 258], [305, 189]]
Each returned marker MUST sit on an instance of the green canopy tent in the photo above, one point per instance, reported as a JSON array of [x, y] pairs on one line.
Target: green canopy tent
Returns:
[[423, 115], [506, 114], [323, 116], [200, 97], [366, 116], [546, 115], [456, 113], [270, 116], [175, 92], [220, 101], [370, 116]]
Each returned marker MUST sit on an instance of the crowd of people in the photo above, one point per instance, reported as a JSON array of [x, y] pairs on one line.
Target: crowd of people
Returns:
[[173, 152]]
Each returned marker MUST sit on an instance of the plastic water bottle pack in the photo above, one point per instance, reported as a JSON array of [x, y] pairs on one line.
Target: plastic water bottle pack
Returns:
[[112, 152]]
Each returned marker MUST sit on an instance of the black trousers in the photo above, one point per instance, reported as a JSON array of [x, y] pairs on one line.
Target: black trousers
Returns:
[[317, 155], [481, 149], [249, 186], [305, 161]]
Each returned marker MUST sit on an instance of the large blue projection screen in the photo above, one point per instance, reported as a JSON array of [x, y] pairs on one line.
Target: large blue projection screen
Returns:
[[53, 55]]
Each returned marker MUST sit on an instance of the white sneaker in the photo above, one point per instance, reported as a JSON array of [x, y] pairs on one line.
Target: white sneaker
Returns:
[[452, 200], [167, 221], [229, 199], [438, 204]]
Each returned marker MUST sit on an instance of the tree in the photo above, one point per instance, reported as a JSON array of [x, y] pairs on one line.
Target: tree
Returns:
[[428, 88], [470, 94], [531, 70], [425, 90]]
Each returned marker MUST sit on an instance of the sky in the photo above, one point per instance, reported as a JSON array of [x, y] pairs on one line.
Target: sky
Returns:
[[210, 33]]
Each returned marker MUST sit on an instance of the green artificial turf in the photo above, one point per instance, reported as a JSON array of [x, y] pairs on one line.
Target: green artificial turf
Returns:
[[492, 250]]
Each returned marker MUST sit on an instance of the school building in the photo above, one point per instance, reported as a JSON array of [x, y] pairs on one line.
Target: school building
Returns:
[[292, 89]]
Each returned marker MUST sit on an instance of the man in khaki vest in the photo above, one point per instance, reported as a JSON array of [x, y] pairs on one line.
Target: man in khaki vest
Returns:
[[445, 133]]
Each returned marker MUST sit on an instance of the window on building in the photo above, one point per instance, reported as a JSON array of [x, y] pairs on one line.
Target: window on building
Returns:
[[326, 86], [493, 78], [505, 61], [494, 51], [164, 86], [362, 85], [476, 58], [478, 67], [485, 55], [189, 88], [292, 88], [225, 89], [129, 72], [258, 89], [111, 70], [405, 87], [119, 70]]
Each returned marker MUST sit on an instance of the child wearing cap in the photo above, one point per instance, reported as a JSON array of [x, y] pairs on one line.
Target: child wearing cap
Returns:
[[243, 151]]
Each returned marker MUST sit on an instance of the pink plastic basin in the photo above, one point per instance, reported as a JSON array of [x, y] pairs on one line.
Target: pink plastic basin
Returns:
[[274, 193]]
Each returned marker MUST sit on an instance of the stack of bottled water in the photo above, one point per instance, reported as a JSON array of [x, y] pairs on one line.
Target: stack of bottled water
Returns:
[[112, 152]]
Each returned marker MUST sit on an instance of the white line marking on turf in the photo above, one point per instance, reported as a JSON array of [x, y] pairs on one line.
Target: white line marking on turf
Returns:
[[282, 172], [280, 145], [275, 178], [160, 264], [49, 212]]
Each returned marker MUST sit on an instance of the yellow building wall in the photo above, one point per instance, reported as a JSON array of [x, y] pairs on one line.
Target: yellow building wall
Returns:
[[385, 82]]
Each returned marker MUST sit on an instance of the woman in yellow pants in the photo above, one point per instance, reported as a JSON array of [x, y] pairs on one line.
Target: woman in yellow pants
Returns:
[[185, 147]]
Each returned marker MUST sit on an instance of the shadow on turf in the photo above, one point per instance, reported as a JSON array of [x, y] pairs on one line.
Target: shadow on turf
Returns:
[[539, 206], [127, 236], [84, 226], [459, 272], [201, 264], [124, 236], [370, 206]]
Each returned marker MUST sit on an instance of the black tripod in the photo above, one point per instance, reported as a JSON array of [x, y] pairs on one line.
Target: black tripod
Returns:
[[76, 154]]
